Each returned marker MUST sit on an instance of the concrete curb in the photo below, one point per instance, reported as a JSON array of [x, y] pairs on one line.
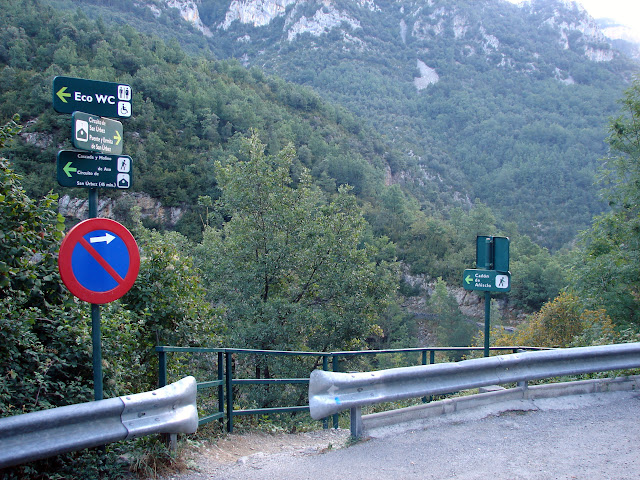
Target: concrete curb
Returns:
[[496, 401]]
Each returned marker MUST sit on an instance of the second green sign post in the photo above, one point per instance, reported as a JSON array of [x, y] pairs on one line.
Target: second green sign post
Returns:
[[490, 275]]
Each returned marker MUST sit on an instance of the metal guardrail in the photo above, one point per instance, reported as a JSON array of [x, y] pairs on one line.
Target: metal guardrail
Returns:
[[332, 392], [33, 436], [227, 378]]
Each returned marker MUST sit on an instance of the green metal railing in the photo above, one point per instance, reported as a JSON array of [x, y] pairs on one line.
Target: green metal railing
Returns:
[[226, 379]]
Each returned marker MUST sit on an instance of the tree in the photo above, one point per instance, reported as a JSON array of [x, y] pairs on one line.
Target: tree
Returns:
[[291, 270], [605, 270], [453, 329], [564, 322], [38, 319]]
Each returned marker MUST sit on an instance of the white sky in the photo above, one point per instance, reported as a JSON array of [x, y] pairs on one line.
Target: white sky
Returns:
[[626, 12]]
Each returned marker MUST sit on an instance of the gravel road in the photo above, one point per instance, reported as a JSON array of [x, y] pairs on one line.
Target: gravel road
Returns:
[[590, 437]]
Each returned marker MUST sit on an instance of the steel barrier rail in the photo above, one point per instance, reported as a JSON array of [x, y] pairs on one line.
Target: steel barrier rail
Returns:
[[226, 381], [331, 392], [37, 435]]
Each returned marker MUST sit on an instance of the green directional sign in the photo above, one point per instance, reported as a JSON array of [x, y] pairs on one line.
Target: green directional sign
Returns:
[[96, 134], [106, 99], [486, 280], [93, 170]]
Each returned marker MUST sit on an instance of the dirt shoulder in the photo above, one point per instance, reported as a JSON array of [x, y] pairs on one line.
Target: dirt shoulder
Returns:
[[247, 447]]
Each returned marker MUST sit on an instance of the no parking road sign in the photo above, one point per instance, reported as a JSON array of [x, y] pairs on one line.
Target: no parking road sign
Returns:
[[99, 260]]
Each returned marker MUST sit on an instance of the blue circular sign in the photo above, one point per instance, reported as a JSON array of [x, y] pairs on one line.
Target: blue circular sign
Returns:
[[99, 260]]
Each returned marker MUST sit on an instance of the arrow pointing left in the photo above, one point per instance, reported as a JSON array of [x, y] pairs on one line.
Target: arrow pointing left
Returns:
[[68, 169], [62, 94], [468, 279], [107, 237]]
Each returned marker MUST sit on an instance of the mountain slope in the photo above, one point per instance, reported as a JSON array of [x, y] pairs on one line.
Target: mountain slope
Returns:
[[482, 99], [505, 104]]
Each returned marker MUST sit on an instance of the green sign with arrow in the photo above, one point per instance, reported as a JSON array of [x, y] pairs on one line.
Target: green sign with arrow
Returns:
[[96, 134], [107, 99], [486, 280], [93, 170]]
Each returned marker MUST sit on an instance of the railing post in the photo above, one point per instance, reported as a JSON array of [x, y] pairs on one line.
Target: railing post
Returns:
[[221, 387], [229, 385], [325, 366], [162, 367]]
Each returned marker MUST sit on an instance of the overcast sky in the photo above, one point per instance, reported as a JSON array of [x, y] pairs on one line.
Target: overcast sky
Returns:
[[627, 12]]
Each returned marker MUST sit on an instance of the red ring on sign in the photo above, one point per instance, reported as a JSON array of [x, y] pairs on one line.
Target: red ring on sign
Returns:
[[74, 237]]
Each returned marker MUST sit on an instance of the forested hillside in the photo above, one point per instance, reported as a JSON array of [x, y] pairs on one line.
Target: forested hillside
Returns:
[[480, 99], [191, 111]]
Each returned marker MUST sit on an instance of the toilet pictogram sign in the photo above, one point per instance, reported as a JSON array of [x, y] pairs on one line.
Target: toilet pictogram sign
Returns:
[[99, 260]]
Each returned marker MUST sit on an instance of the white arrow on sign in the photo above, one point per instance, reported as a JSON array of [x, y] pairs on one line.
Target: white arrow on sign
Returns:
[[107, 237]]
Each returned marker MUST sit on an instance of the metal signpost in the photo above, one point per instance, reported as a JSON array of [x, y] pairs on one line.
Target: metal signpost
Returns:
[[98, 261], [490, 275]]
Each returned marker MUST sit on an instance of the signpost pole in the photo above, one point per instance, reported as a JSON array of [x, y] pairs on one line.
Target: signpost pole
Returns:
[[487, 321], [96, 335], [487, 295], [97, 352]]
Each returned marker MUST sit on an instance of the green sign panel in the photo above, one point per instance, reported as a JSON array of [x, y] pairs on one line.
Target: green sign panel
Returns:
[[106, 99], [486, 280], [93, 170], [492, 253], [96, 134]]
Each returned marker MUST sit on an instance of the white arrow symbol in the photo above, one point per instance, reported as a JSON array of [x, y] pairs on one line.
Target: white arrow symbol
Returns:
[[107, 237]]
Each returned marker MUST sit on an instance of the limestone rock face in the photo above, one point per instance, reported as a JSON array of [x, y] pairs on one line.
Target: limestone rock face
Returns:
[[150, 208]]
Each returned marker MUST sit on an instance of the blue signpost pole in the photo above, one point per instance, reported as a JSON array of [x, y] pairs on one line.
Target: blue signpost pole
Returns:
[[96, 335]]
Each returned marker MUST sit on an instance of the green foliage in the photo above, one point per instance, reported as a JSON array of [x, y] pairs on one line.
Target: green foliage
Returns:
[[289, 268], [165, 306], [562, 322], [37, 368], [453, 328], [537, 276], [604, 270], [45, 338]]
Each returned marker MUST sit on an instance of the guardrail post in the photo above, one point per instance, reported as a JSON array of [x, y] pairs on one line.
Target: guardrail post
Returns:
[[170, 440], [229, 385], [356, 422], [336, 368]]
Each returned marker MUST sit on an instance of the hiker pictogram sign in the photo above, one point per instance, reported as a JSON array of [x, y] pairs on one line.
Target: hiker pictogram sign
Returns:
[[99, 260]]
